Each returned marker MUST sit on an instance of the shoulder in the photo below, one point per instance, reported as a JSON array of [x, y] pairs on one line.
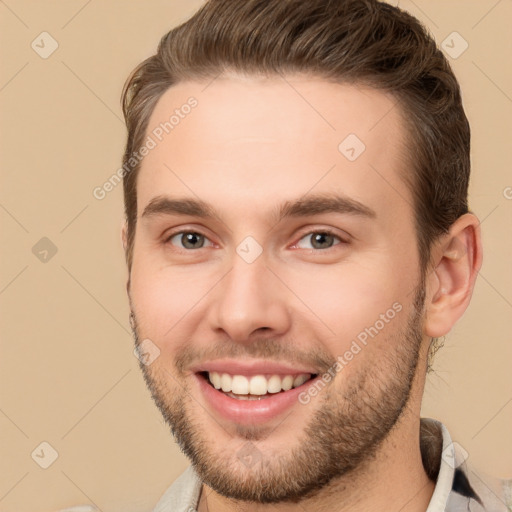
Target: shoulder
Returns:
[[182, 495], [476, 491], [459, 485]]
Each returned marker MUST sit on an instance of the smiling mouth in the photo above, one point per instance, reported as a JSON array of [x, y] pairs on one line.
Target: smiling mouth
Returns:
[[256, 387]]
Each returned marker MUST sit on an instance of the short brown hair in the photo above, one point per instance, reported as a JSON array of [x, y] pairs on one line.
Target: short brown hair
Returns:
[[363, 42]]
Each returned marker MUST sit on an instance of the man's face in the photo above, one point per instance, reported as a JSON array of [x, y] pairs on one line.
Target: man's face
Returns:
[[247, 287]]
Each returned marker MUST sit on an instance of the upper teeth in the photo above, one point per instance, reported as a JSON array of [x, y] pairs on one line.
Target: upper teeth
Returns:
[[256, 385]]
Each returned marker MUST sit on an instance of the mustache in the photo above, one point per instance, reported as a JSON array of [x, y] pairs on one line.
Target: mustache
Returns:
[[270, 349]]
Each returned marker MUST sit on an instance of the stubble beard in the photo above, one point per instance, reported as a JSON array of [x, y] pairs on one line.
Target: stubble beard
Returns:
[[343, 434]]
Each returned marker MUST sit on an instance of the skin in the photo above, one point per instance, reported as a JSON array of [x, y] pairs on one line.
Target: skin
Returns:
[[249, 145]]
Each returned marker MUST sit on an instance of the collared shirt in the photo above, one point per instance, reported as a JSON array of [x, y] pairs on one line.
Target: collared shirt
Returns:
[[458, 488]]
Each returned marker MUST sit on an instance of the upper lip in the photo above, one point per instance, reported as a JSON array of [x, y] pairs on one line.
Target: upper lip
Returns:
[[252, 367]]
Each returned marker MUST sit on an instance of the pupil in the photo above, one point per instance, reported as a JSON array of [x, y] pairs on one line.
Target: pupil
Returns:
[[190, 239], [321, 236]]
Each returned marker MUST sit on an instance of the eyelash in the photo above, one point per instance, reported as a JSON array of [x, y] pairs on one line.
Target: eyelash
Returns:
[[327, 232]]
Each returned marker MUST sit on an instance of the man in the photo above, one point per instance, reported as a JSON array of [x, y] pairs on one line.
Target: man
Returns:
[[298, 239]]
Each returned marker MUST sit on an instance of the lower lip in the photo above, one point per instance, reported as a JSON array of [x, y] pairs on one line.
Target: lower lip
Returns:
[[251, 412]]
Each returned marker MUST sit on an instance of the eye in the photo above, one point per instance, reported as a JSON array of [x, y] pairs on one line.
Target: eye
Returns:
[[188, 239], [321, 240]]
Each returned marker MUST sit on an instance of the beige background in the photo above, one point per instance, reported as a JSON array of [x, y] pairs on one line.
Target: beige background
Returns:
[[68, 374]]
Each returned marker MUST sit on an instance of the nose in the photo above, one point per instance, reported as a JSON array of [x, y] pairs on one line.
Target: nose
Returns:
[[248, 301]]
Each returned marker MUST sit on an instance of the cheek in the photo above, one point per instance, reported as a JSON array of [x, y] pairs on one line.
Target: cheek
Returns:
[[164, 301], [347, 300], [362, 321]]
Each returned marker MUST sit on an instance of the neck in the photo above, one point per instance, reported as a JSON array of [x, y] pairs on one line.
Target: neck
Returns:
[[394, 480]]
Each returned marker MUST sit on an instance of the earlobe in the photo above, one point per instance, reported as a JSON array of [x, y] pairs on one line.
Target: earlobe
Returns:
[[458, 259]]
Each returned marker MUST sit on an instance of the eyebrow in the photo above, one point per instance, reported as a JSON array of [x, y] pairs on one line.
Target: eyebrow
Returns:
[[313, 204]]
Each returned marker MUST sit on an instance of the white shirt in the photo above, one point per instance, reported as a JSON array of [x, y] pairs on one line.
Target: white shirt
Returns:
[[458, 488]]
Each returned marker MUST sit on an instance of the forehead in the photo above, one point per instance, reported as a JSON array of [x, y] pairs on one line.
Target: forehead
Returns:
[[241, 141]]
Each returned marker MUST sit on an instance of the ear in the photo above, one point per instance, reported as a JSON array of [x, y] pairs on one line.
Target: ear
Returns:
[[124, 240], [124, 236], [457, 259]]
